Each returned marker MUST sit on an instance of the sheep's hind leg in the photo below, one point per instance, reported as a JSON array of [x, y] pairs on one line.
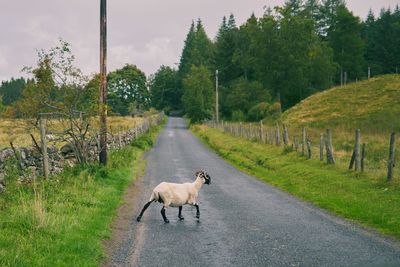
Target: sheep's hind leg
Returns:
[[164, 216], [180, 214], [143, 210]]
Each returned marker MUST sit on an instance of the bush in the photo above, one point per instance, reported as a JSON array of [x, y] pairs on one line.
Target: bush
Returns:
[[238, 115], [275, 109], [259, 112]]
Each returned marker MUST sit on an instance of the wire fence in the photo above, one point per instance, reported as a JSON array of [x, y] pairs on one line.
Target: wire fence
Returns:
[[372, 153]]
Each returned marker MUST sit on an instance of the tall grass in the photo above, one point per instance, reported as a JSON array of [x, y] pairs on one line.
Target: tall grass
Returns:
[[18, 130], [61, 221]]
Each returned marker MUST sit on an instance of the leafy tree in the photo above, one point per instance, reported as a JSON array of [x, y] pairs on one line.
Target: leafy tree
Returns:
[[127, 88], [163, 88], [198, 96], [245, 94]]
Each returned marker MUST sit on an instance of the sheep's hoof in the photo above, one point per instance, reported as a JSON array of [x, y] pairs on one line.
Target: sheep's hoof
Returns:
[[166, 221], [181, 218], [139, 218]]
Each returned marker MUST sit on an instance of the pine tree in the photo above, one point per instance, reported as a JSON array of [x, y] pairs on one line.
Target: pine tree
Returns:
[[186, 60], [344, 37]]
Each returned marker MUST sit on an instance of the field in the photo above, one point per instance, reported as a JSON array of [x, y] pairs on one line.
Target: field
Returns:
[[18, 131]]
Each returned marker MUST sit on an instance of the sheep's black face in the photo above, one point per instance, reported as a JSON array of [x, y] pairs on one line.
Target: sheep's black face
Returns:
[[205, 176]]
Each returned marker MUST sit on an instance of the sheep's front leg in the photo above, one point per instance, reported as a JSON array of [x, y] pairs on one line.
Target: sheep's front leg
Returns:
[[180, 214], [164, 216], [197, 211]]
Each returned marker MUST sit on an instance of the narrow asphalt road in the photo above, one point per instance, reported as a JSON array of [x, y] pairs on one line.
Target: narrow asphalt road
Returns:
[[244, 222]]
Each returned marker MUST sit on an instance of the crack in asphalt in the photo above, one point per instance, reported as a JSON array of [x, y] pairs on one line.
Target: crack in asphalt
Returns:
[[244, 222]]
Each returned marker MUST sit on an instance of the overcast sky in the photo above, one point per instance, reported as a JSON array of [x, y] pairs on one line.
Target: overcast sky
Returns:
[[147, 33]]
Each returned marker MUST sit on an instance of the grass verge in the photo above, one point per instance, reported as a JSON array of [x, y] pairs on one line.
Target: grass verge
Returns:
[[62, 221], [370, 202]]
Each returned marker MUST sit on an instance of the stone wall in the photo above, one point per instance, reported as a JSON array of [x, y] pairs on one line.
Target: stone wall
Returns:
[[30, 162]]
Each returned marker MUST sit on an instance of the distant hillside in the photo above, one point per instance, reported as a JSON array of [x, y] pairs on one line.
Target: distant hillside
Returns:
[[370, 105]]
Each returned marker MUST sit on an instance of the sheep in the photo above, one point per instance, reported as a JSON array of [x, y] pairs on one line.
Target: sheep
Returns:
[[177, 195]]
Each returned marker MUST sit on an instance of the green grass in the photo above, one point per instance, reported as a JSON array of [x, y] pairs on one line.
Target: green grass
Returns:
[[372, 105], [61, 222], [370, 202]]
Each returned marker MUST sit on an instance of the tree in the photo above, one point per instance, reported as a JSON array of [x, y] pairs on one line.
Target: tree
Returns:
[[127, 88], [245, 53], [198, 51], [11, 90], [203, 48], [245, 94], [198, 94], [163, 88], [344, 36], [382, 36], [186, 60], [225, 47], [57, 92]]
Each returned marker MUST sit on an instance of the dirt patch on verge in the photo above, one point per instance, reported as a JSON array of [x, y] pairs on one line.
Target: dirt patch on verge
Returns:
[[122, 223]]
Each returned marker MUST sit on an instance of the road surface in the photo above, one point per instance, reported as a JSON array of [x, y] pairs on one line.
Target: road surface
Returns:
[[244, 222]]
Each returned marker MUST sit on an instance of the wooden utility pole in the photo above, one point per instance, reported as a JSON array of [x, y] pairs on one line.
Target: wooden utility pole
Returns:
[[103, 82], [216, 97]]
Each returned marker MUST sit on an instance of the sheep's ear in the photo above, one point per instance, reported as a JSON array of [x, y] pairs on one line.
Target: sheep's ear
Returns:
[[197, 173]]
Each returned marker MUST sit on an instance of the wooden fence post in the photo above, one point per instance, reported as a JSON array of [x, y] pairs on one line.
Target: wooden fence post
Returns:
[[303, 141], [285, 135], [362, 157], [391, 162], [277, 135], [261, 132], [357, 150], [321, 147], [45, 156], [296, 144], [309, 148], [328, 144]]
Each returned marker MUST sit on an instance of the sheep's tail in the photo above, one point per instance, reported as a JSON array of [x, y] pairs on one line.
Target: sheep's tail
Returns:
[[155, 196]]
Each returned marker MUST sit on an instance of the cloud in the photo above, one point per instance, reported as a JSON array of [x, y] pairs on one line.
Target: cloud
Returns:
[[156, 52]]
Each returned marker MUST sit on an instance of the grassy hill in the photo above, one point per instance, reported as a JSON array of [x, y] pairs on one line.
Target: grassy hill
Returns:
[[372, 105]]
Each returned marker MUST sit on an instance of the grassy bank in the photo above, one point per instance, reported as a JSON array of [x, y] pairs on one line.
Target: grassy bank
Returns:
[[371, 202], [61, 222], [372, 105]]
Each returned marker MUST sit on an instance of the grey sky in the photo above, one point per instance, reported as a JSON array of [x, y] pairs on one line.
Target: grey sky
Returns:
[[147, 33]]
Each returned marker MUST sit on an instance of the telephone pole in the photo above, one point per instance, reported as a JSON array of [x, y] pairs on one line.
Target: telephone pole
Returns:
[[103, 82], [216, 97]]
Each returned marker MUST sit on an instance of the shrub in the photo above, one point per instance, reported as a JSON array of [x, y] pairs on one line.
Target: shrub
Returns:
[[259, 111], [238, 115]]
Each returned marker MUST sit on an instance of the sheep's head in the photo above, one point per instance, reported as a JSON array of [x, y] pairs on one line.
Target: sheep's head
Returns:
[[204, 175]]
